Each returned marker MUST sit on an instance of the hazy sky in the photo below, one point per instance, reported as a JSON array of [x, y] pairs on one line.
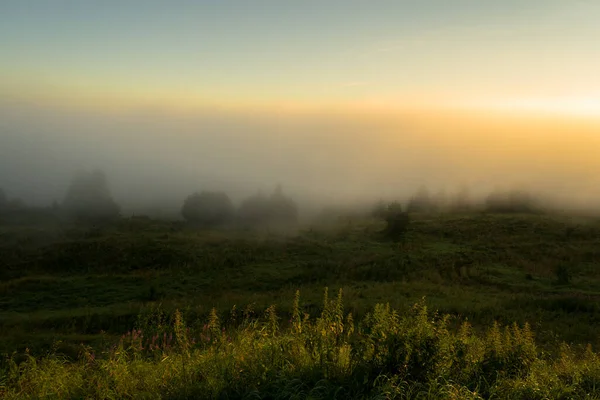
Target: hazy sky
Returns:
[[337, 99], [381, 53]]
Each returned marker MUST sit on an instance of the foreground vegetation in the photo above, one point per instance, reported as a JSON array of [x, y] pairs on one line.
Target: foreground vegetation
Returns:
[[387, 355], [99, 312]]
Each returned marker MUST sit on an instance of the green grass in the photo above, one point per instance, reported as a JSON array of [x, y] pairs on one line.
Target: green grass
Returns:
[[61, 287]]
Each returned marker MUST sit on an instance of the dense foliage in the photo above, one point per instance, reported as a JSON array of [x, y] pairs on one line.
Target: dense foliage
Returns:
[[397, 221], [208, 209]]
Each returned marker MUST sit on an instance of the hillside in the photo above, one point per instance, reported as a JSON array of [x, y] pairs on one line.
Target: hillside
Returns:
[[64, 287]]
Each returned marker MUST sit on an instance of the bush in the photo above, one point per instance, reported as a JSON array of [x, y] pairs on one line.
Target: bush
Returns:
[[397, 220], [208, 209], [397, 225], [88, 198]]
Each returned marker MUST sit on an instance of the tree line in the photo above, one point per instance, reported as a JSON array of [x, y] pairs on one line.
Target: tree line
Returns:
[[213, 209], [88, 199]]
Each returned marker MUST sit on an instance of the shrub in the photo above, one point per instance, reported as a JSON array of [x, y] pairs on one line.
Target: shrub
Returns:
[[208, 209], [88, 198], [397, 220]]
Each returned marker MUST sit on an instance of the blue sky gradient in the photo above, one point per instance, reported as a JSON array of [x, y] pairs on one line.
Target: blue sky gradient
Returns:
[[321, 52]]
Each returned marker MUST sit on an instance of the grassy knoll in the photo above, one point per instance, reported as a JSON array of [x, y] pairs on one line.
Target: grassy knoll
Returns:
[[74, 292]]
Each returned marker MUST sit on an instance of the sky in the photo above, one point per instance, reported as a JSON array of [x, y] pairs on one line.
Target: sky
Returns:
[[313, 53], [333, 98]]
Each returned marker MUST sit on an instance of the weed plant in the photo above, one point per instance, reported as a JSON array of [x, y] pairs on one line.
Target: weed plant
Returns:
[[385, 355]]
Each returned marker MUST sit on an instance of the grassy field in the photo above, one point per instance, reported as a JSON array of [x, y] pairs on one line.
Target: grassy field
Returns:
[[64, 289]]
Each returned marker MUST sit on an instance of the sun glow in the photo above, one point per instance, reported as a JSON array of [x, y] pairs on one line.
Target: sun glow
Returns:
[[575, 106]]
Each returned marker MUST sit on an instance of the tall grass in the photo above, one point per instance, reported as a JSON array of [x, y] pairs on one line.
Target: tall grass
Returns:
[[386, 355]]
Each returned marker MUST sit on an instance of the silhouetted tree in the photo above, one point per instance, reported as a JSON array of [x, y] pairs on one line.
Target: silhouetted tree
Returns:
[[283, 210], [420, 202], [208, 209], [88, 198], [254, 211], [379, 209], [397, 221], [275, 210]]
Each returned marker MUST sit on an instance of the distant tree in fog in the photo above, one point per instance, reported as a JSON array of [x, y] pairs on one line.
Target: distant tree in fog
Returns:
[[397, 220], [283, 208], [440, 200], [461, 201], [420, 202], [88, 198], [254, 210], [275, 210], [379, 209], [208, 209]]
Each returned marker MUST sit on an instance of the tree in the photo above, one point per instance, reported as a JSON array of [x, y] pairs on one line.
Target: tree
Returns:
[[461, 201], [88, 198], [283, 209], [379, 210], [208, 209], [420, 202], [254, 211], [277, 210], [397, 221]]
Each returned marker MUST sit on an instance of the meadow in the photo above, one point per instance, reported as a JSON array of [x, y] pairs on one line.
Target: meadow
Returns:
[[472, 305]]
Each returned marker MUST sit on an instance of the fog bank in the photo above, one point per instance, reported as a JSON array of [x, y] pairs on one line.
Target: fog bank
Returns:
[[154, 158]]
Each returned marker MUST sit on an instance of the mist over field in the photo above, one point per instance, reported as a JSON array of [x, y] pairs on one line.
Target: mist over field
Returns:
[[154, 158], [300, 199]]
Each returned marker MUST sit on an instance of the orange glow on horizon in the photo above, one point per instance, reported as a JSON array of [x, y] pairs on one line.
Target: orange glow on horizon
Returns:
[[418, 107]]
